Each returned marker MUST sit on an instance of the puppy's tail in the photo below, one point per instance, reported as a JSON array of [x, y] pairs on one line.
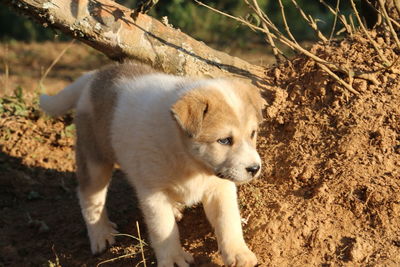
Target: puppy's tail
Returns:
[[67, 99]]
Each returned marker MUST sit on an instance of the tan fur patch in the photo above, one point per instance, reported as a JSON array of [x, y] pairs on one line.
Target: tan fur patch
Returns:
[[94, 130], [201, 112]]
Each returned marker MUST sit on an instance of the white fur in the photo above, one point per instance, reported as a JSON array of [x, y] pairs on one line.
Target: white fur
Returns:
[[67, 99], [232, 99]]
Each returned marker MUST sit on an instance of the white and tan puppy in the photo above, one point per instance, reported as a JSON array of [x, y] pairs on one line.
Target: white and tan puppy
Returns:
[[180, 141]]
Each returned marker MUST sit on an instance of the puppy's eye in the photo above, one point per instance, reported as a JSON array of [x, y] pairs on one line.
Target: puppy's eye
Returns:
[[253, 133], [225, 141]]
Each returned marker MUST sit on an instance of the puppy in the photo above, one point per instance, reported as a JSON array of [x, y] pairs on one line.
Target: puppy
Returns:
[[180, 141]]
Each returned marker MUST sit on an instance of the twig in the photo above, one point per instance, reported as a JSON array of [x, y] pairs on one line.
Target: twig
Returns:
[[251, 26], [369, 77], [311, 22], [396, 2], [348, 27], [271, 41], [55, 62], [285, 22], [337, 78], [141, 244], [266, 23], [57, 263], [281, 37], [256, 8], [397, 6], [292, 44], [340, 16], [352, 23], [335, 20], [321, 62], [395, 22], [116, 258], [392, 31], [372, 41], [131, 236]]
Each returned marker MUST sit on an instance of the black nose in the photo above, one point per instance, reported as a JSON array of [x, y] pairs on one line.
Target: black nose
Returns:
[[253, 169]]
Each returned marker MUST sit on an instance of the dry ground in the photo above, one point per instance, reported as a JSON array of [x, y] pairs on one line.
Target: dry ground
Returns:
[[329, 195]]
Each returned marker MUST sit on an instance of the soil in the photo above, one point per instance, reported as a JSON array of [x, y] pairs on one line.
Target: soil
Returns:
[[329, 194]]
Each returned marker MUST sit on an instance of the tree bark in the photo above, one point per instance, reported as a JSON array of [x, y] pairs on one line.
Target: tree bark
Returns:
[[110, 28]]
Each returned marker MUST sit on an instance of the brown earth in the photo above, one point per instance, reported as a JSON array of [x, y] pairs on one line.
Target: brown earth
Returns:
[[329, 194]]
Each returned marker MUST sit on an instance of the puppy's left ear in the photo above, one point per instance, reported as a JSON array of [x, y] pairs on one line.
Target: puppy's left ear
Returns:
[[189, 112], [254, 97], [258, 102]]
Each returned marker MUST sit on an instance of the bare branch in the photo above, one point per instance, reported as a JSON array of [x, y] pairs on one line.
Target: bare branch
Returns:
[[109, 28], [285, 40], [386, 16], [55, 62], [340, 16], [241, 20], [328, 67], [256, 8], [275, 50], [268, 23], [397, 5], [397, 2], [337, 78], [335, 20], [311, 22], [281, 37], [353, 27], [285, 22], [271, 41]]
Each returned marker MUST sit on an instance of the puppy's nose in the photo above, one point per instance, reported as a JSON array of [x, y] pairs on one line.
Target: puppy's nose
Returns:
[[253, 169]]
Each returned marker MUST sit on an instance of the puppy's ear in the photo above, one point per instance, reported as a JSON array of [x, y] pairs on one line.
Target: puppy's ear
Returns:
[[257, 101], [254, 97], [189, 112]]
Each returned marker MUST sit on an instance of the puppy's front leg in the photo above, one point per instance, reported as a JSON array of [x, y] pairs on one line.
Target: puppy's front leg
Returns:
[[163, 230], [223, 213]]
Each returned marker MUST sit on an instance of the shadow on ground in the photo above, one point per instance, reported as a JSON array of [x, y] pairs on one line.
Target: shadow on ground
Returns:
[[40, 220]]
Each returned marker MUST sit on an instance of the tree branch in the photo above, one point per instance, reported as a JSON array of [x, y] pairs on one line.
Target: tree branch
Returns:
[[109, 28]]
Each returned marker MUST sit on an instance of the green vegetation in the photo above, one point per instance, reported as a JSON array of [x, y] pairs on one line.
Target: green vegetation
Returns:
[[14, 104]]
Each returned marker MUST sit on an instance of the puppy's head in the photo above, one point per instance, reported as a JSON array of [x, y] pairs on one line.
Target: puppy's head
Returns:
[[219, 122]]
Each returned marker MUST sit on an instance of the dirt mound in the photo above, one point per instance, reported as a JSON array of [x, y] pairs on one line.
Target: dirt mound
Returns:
[[329, 195]]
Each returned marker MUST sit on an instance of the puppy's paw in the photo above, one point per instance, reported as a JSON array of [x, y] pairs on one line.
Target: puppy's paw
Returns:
[[100, 235], [180, 258], [239, 257]]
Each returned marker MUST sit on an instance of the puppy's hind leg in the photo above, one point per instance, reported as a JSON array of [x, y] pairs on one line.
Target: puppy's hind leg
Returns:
[[94, 177]]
